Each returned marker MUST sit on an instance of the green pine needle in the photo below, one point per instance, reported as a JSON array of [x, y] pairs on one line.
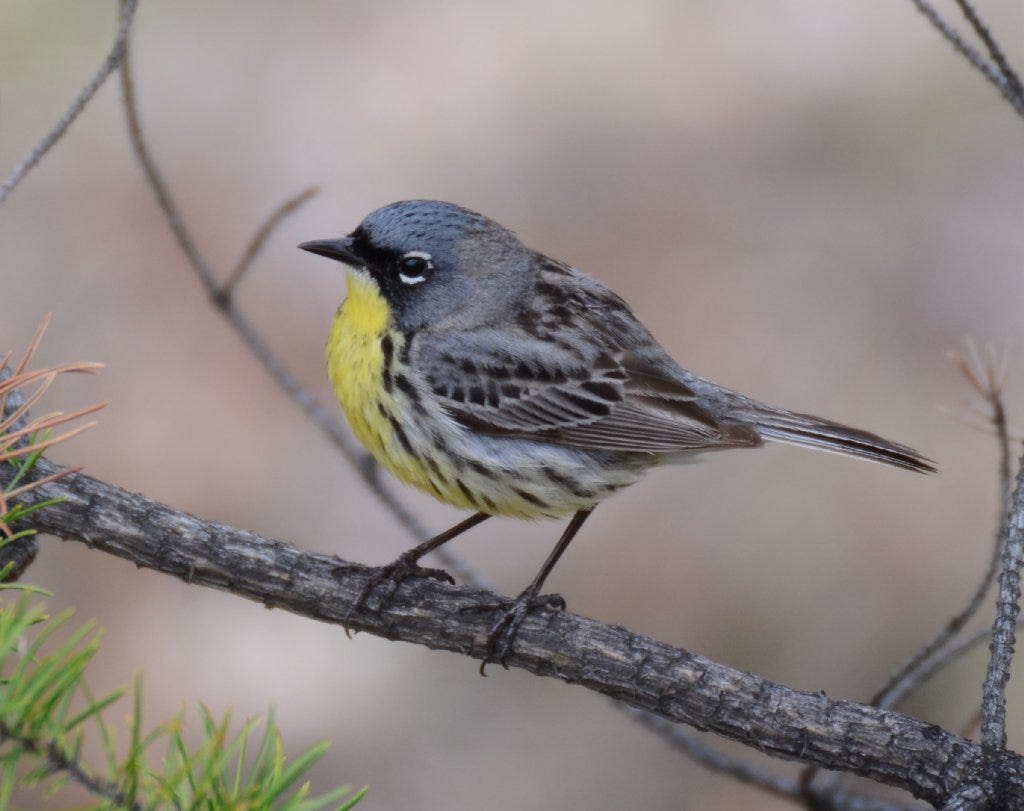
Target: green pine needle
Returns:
[[48, 715]]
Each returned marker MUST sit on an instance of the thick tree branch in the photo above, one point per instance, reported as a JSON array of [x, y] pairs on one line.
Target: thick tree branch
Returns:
[[675, 684]]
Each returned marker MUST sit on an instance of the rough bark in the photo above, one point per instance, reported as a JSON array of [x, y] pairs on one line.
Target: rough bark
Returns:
[[685, 687]]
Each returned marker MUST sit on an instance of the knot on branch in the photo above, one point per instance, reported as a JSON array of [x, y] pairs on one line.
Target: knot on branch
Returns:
[[994, 782]]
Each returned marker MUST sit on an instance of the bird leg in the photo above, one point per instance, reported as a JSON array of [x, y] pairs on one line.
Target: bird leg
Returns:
[[503, 632], [407, 564]]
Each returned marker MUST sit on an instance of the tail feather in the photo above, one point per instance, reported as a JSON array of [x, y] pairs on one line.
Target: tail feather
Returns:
[[814, 432]]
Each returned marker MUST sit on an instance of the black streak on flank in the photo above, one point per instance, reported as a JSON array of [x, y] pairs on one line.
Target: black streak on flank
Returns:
[[531, 498], [566, 482], [396, 426], [407, 388], [481, 469], [435, 468], [466, 491], [387, 347]]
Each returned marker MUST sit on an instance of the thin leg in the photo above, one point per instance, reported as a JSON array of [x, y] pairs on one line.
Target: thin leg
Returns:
[[414, 554], [503, 632], [407, 564]]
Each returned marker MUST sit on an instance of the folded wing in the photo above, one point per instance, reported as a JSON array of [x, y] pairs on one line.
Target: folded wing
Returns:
[[530, 388]]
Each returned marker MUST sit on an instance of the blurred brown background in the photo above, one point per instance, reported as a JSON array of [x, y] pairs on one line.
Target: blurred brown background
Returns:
[[807, 202]]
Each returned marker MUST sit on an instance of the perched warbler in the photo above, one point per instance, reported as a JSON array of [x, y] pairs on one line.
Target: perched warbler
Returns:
[[503, 381]]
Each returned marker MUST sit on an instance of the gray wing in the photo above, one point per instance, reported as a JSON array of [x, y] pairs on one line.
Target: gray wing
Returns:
[[510, 383]]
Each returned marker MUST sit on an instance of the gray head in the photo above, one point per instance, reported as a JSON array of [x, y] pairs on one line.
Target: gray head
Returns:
[[436, 262]]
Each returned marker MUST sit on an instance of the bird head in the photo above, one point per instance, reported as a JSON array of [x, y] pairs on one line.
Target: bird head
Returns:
[[435, 263]]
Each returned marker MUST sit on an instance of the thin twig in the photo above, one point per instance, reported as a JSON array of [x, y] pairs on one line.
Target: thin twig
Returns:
[[993, 47], [361, 461], [59, 760], [109, 66], [772, 783], [943, 659], [255, 245], [156, 182], [985, 372], [686, 742], [993, 703], [977, 61]]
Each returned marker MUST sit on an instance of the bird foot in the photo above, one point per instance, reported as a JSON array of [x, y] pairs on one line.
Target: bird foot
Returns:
[[391, 577], [512, 613]]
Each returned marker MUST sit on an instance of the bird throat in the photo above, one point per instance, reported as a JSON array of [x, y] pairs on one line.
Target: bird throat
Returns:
[[356, 364], [365, 311]]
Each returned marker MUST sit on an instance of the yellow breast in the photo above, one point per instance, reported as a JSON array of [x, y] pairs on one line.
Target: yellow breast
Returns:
[[355, 362], [356, 367], [385, 420]]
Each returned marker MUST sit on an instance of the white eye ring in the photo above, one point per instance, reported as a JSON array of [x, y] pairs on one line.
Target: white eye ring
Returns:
[[426, 257]]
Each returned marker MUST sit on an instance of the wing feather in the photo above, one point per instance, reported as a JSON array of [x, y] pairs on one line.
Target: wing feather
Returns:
[[553, 392]]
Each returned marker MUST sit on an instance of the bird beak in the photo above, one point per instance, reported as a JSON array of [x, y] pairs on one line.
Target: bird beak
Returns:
[[341, 250]]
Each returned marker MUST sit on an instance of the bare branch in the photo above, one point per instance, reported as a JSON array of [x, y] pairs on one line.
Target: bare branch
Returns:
[[156, 181], [109, 65], [1005, 87], [687, 742], [946, 657], [60, 761], [277, 216], [993, 704], [992, 46], [361, 461], [985, 372], [673, 683]]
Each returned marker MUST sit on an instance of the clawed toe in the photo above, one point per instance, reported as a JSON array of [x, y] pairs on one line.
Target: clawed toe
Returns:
[[503, 633], [391, 577], [434, 574]]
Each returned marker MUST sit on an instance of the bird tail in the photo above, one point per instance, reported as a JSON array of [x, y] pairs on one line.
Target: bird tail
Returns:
[[814, 432]]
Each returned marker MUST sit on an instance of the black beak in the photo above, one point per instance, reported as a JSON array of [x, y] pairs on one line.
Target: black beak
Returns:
[[341, 250]]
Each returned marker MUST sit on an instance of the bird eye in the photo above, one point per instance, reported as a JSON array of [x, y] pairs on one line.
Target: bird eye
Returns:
[[415, 267]]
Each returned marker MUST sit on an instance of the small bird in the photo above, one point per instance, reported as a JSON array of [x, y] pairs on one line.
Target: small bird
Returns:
[[503, 381]]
